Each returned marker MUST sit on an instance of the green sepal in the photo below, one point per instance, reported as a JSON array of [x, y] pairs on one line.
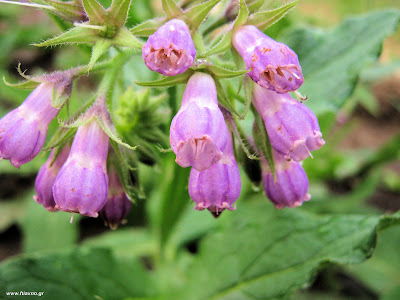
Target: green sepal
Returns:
[[69, 11], [263, 20], [59, 97], [171, 9], [242, 16], [261, 140], [223, 45], [148, 27], [196, 14], [124, 38], [109, 129], [99, 48], [95, 12], [222, 73], [255, 5], [238, 59], [222, 98], [167, 81], [61, 137], [118, 12], [75, 35], [82, 120], [126, 169], [24, 85]]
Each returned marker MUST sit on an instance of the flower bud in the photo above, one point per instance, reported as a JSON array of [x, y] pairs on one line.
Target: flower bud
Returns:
[[198, 131], [170, 50], [23, 130], [118, 204], [291, 184], [272, 65], [46, 177], [82, 184], [218, 187], [292, 127]]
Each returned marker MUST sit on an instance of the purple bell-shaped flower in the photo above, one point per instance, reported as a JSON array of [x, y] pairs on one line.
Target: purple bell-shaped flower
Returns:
[[170, 50], [198, 131], [272, 65]]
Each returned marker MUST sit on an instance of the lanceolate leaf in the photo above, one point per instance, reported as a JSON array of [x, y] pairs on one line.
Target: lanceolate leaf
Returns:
[[75, 35], [147, 28], [262, 20], [119, 12], [171, 9], [167, 80], [196, 14], [95, 11]]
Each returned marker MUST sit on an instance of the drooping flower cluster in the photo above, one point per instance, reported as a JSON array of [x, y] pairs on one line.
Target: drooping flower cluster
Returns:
[[292, 128], [201, 140], [81, 178]]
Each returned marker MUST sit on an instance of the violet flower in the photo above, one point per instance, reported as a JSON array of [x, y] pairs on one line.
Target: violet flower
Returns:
[[292, 127], [46, 177], [198, 131], [118, 204], [218, 187], [272, 65], [82, 184], [170, 50], [23, 130], [291, 184]]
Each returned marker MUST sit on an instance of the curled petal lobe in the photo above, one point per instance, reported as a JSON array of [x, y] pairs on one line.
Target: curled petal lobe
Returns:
[[170, 50], [272, 65]]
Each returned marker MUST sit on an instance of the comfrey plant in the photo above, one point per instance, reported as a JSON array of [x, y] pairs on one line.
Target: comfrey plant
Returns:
[[91, 171]]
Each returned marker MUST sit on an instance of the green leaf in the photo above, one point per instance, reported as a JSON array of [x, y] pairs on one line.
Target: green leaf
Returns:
[[263, 20], [171, 9], [333, 60], [223, 99], [95, 12], [125, 243], [261, 140], [196, 14], [382, 271], [109, 129], [41, 228], [124, 38], [221, 47], [119, 12], [167, 80], [263, 253], [148, 27], [99, 48], [242, 16], [75, 35], [78, 274]]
